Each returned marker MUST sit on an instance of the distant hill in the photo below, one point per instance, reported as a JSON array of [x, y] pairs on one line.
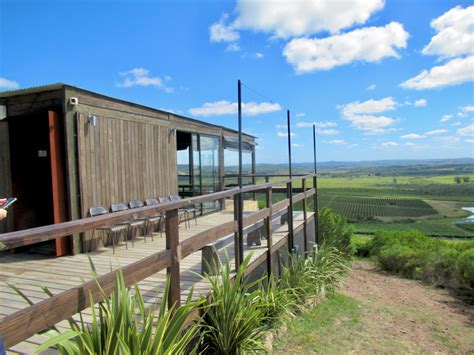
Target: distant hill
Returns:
[[375, 167]]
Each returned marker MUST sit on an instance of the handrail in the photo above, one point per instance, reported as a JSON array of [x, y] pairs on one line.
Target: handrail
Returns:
[[263, 175], [40, 234], [24, 323]]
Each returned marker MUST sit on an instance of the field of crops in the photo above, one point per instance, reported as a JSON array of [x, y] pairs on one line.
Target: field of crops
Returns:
[[442, 228], [363, 207]]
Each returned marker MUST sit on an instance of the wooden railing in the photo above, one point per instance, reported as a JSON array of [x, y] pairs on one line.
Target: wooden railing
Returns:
[[22, 324]]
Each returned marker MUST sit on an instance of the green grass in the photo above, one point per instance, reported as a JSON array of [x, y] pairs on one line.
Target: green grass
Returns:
[[437, 227], [319, 330]]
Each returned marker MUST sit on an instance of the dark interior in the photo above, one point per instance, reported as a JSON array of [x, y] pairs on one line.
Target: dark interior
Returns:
[[31, 170]]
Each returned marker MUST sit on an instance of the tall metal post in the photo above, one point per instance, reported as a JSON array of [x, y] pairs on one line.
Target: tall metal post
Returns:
[[239, 256], [315, 183], [291, 243]]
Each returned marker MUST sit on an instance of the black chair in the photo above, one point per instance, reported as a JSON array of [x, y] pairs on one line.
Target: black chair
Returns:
[[155, 220], [134, 225], [187, 210], [111, 230], [181, 212]]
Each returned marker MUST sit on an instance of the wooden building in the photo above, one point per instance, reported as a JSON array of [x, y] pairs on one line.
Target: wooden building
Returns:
[[64, 149]]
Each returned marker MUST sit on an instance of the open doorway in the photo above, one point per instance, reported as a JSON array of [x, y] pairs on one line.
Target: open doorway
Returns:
[[37, 175]]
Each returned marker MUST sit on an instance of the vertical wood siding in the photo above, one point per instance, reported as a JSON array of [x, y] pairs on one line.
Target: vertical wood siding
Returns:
[[121, 160]]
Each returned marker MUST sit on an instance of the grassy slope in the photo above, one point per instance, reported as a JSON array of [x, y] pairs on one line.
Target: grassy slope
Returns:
[[376, 313]]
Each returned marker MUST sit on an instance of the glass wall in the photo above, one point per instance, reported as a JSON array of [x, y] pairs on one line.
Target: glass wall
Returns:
[[198, 165]]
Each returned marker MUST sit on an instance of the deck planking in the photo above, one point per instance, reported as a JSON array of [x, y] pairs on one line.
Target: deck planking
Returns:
[[29, 272]]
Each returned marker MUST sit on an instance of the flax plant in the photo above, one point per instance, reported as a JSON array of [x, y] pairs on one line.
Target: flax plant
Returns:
[[122, 324], [233, 322]]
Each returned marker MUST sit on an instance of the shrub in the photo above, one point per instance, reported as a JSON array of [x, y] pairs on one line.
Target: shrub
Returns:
[[435, 261], [334, 231], [361, 246], [465, 265], [398, 258], [440, 268]]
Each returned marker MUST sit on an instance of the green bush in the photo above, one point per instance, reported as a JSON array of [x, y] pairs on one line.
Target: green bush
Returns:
[[438, 262], [465, 265], [361, 246], [334, 230]]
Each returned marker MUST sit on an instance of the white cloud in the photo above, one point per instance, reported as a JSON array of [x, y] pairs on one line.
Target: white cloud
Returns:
[[141, 77], [455, 124], [454, 33], [360, 114], [229, 108], [456, 71], [281, 126], [300, 114], [327, 132], [369, 44], [467, 108], [320, 124], [436, 132], [233, 47], [389, 144], [337, 141], [446, 118], [297, 145], [421, 103], [284, 134], [220, 32], [412, 136], [469, 140], [8, 84], [466, 131], [303, 17], [371, 87], [259, 55], [371, 123], [369, 106]]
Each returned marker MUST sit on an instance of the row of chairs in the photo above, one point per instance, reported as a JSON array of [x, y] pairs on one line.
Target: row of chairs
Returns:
[[147, 225]]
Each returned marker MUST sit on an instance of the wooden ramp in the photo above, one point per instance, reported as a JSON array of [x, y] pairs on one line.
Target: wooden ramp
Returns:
[[29, 272]]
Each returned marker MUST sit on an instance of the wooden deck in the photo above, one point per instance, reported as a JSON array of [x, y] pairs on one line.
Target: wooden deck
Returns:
[[29, 272]]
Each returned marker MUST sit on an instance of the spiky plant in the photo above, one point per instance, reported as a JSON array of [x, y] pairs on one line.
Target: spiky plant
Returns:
[[121, 324]]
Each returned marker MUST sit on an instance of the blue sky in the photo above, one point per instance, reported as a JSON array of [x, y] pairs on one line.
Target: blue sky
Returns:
[[382, 79]]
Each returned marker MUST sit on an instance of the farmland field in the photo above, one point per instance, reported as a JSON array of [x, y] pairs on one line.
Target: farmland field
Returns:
[[363, 207], [431, 203]]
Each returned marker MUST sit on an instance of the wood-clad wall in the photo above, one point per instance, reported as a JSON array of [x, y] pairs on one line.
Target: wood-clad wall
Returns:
[[121, 160]]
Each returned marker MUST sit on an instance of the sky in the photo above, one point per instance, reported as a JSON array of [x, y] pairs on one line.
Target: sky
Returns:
[[389, 79]]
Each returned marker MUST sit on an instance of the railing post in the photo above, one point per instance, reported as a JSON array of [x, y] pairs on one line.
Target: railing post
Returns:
[[268, 227], [237, 236], [315, 207], [305, 232], [291, 244], [267, 179], [172, 244]]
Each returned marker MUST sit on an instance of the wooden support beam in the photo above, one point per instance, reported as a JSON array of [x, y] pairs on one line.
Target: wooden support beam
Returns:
[[291, 242], [172, 244], [268, 228]]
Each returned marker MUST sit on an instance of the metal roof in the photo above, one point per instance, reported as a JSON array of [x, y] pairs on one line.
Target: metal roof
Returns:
[[60, 86]]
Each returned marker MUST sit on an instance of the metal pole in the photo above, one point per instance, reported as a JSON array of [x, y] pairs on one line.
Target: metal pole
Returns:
[[240, 256], [315, 199], [291, 244]]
